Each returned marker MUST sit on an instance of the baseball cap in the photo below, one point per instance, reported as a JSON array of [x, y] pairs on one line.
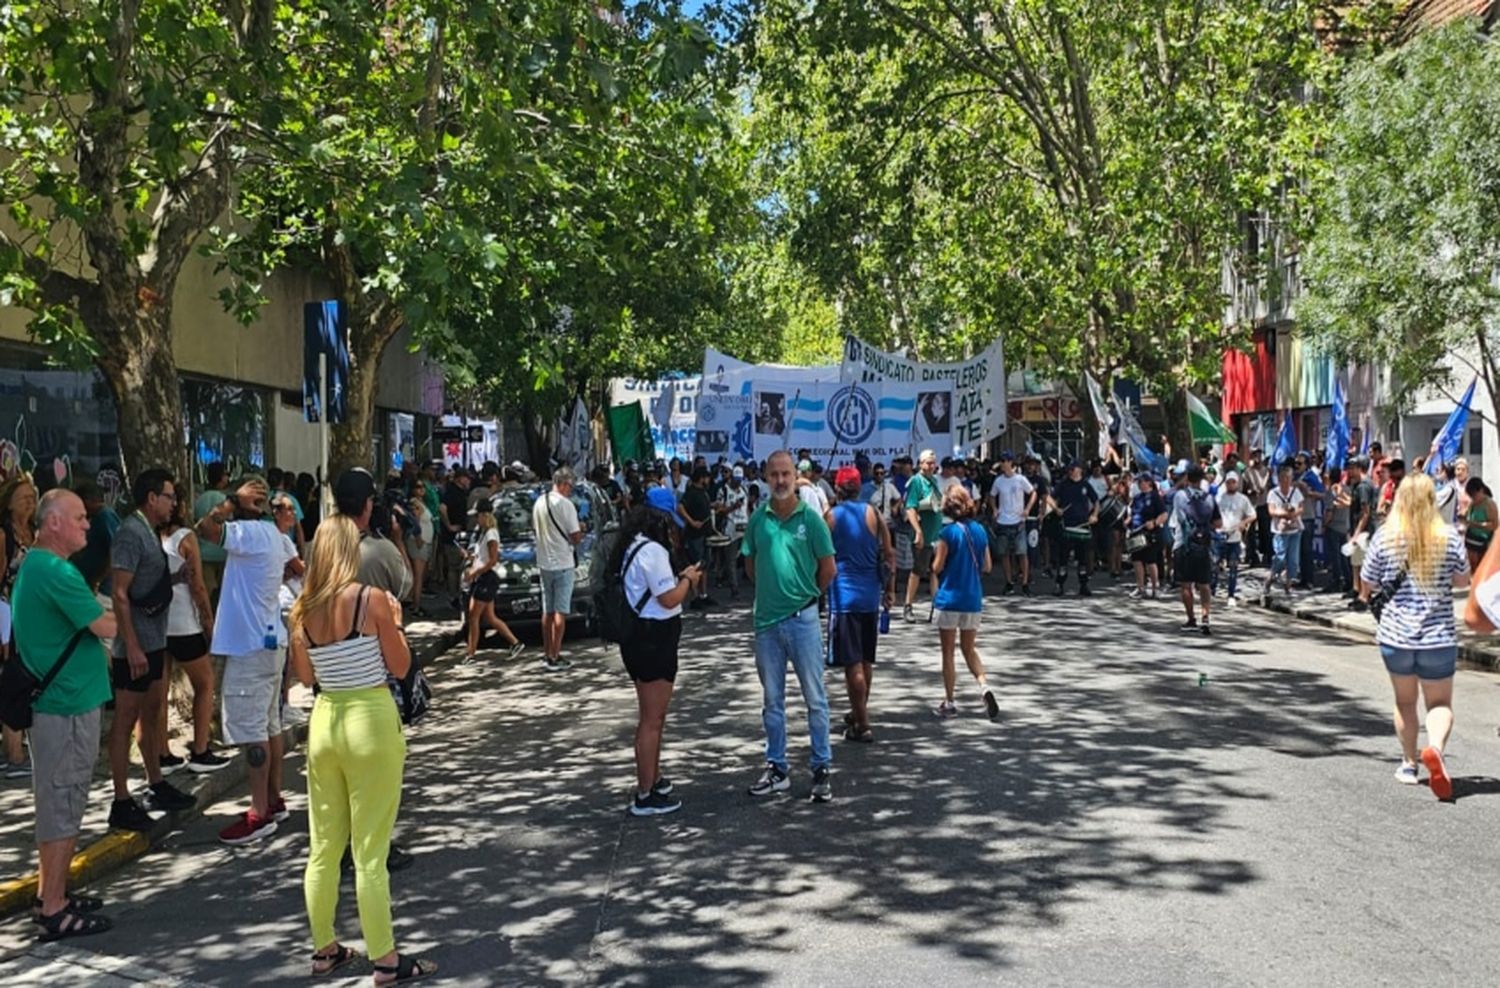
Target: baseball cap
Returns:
[[1008, 455], [847, 476], [738, 473], [352, 489], [661, 499], [804, 466]]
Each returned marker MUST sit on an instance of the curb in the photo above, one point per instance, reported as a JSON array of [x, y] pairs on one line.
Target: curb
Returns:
[[1484, 658], [119, 847]]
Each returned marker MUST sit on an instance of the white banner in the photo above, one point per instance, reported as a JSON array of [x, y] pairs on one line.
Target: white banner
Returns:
[[724, 407], [677, 438], [978, 386], [881, 419]]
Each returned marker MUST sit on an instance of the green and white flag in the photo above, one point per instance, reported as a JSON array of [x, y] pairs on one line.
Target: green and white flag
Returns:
[[1207, 429]]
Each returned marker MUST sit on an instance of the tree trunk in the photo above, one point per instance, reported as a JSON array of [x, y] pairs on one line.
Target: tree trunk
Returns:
[[138, 365], [1179, 428]]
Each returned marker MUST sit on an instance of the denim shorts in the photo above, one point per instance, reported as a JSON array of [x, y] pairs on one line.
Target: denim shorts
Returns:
[[1424, 663], [557, 591]]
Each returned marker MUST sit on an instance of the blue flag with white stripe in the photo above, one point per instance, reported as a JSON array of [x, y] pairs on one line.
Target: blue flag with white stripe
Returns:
[[1448, 442], [1338, 431], [1286, 443]]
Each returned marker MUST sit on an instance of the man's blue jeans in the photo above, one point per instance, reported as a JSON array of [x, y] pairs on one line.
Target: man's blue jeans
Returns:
[[1229, 553], [797, 640], [1286, 555]]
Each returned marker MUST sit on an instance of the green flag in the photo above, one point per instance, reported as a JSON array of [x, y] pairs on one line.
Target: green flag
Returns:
[[629, 433], [1207, 429]]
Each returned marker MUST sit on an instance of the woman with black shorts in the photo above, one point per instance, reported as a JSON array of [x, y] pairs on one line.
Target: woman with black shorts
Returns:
[[190, 627], [655, 591], [1148, 513]]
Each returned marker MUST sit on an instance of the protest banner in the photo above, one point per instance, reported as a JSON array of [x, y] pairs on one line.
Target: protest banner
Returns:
[[678, 437], [724, 421], [978, 385], [836, 422]]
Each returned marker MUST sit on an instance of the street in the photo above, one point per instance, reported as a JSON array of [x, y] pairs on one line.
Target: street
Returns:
[[1119, 825]]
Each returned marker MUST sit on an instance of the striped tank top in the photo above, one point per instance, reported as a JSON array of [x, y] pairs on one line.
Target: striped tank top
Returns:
[[354, 663]]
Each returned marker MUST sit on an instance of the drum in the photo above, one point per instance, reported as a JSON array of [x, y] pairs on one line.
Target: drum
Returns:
[[718, 541], [1135, 541], [1079, 532]]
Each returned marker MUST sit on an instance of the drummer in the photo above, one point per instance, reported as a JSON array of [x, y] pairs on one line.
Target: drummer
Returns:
[[1079, 507]]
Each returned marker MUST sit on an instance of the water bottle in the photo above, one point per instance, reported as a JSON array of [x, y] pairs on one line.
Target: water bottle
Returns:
[[885, 620], [269, 641]]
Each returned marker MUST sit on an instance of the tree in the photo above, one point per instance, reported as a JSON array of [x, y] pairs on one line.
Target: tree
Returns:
[[122, 126], [1403, 264], [1069, 175]]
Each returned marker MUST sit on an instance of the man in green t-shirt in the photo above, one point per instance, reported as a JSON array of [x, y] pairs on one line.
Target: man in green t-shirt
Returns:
[[52, 605], [789, 556], [924, 512]]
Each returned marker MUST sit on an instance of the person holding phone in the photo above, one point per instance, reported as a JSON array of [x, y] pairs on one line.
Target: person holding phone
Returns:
[[656, 593]]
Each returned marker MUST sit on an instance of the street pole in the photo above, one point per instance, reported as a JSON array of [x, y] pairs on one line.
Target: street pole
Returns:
[[326, 497]]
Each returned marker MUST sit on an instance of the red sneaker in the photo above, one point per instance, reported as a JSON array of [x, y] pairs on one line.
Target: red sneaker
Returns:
[[279, 812], [248, 829], [1437, 772]]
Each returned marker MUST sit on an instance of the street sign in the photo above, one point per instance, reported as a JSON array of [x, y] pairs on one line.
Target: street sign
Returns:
[[458, 434]]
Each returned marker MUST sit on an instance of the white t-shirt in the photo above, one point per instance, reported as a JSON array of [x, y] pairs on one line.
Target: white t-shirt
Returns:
[[734, 500], [1233, 510], [182, 615], [651, 569], [480, 553], [553, 550], [250, 595], [1279, 501], [1100, 486], [1010, 494], [813, 498]]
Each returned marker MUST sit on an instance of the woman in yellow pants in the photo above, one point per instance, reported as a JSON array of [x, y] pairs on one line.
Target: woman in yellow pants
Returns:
[[346, 637]]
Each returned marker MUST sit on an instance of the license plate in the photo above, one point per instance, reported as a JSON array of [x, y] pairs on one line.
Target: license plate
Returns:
[[526, 605]]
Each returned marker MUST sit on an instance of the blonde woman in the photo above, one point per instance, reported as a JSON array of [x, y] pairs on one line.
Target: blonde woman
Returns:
[[347, 637], [1415, 560], [482, 585]]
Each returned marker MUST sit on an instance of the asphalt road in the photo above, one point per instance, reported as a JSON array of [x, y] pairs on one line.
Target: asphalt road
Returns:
[[1120, 825]]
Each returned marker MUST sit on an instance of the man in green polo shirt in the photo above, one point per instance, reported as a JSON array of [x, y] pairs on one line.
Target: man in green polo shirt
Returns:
[[53, 604], [924, 512], [789, 556]]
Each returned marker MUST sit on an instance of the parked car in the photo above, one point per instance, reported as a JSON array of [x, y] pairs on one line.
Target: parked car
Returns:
[[520, 597]]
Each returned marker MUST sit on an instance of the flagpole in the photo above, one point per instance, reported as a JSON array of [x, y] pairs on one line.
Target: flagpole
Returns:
[[326, 500]]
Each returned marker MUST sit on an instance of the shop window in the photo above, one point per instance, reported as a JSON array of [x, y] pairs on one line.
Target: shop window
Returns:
[[58, 424], [226, 422]]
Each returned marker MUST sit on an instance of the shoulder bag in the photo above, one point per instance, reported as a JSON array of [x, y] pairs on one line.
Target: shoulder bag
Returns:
[[19, 689], [1385, 593]]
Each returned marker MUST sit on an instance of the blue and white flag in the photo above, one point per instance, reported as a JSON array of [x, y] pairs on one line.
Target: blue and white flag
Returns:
[[1338, 431], [325, 330], [1131, 431], [1286, 443], [835, 421], [1448, 442]]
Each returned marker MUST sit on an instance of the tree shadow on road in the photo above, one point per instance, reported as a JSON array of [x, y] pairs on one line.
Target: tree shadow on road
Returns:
[[961, 837]]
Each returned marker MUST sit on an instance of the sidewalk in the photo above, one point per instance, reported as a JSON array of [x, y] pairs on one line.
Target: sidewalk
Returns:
[[101, 850], [1332, 611]]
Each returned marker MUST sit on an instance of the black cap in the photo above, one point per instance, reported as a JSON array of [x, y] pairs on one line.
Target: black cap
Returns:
[[351, 491]]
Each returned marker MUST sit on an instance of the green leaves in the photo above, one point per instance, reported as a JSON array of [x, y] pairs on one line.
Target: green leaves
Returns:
[[1402, 264]]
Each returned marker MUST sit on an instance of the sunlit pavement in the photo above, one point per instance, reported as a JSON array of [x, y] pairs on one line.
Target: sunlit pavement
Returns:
[[1120, 824]]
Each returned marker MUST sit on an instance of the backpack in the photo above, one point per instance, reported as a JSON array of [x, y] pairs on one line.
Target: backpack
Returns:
[[1197, 513], [616, 617]]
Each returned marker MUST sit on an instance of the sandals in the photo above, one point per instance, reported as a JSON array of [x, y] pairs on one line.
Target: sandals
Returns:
[[74, 903], [66, 923], [406, 968], [343, 955]]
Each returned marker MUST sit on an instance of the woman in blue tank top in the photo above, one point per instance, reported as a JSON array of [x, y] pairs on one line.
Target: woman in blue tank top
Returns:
[[961, 560], [863, 585]]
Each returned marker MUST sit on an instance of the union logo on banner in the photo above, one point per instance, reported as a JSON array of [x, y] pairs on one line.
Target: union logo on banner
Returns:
[[851, 415]]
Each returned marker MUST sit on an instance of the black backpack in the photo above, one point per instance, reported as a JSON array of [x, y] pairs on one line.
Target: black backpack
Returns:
[[616, 618]]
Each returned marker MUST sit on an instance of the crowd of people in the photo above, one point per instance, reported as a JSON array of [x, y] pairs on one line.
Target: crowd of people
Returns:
[[253, 574]]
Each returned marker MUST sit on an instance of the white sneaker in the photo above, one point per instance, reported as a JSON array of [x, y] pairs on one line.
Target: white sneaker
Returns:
[[1406, 774], [1232, 602]]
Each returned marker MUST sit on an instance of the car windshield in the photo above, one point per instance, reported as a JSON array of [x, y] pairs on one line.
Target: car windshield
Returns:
[[512, 509]]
